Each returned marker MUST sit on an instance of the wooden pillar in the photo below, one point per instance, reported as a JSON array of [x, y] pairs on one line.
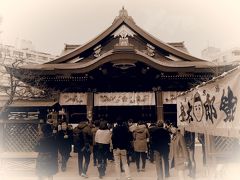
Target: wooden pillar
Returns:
[[159, 105], [90, 97]]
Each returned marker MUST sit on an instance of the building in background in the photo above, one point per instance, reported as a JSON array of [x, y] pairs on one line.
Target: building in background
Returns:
[[23, 52], [210, 53], [217, 56], [26, 52]]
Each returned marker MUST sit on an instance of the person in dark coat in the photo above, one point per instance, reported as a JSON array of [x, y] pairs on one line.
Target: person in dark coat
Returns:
[[47, 162], [131, 154], [151, 129], [65, 141], [82, 144], [160, 138], [121, 142], [95, 150]]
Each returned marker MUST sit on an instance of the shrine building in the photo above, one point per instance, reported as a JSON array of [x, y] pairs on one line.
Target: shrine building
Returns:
[[124, 71]]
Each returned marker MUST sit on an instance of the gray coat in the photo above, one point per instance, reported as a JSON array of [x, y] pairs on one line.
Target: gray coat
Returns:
[[178, 152]]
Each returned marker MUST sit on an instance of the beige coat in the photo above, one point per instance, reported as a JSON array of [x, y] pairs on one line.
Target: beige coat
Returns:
[[140, 136], [178, 152]]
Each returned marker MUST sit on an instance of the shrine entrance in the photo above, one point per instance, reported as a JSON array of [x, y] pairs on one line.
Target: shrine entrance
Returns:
[[110, 113], [127, 105]]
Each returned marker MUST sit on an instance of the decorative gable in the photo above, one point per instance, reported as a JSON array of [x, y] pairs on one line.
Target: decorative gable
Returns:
[[123, 31]]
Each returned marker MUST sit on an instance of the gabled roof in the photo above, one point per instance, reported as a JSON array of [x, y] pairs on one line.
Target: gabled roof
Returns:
[[177, 45], [124, 19]]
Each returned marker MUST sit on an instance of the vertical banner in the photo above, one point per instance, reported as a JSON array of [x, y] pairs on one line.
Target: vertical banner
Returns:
[[212, 108], [124, 99]]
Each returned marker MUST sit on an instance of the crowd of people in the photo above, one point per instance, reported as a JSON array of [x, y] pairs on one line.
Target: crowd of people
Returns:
[[122, 142]]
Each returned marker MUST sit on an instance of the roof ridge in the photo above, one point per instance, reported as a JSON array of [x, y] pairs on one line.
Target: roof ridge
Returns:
[[123, 14], [123, 18]]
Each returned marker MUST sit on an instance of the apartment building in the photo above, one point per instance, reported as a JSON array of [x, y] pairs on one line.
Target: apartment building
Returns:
[[11, 55], [222, 57]]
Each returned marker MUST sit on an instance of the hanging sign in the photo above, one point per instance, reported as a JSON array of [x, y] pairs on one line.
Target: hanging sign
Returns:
[[169, 97], [73, 99], [124, 99], [213, 108]]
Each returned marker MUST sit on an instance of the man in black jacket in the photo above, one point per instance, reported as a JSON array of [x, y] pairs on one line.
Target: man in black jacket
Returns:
[[160, 144], [121, 142], [82, 143]]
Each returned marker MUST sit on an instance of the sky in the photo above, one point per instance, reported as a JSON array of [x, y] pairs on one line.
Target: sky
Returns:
[[51, 23]]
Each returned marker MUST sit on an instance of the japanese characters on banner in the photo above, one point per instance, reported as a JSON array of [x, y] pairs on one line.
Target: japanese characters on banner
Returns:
[[124, 99], [73, 99], [212, 108]]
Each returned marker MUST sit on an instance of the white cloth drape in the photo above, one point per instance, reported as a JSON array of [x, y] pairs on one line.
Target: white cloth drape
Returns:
[[212, 108], [124, 99]]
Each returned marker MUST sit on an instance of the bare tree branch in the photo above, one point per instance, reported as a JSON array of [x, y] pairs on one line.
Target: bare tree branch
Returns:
[[16, 89]]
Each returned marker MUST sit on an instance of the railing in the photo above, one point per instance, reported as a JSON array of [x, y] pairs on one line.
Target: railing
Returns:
[[221, 149], [20, 135], [18, 140]]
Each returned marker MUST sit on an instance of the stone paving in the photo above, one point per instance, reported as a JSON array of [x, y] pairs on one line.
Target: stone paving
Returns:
[[149, 174]]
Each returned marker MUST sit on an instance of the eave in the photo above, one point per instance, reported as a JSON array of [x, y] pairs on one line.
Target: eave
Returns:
[[163, 64]]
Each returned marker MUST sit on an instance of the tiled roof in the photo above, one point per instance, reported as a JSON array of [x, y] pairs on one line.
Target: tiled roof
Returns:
[[33, 103], [179, 45], [176, 49]]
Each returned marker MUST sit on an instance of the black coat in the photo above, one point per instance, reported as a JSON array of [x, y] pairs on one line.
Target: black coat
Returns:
[[65, 144], [82, 137], [47, 161], [121, 137], [160, 139]]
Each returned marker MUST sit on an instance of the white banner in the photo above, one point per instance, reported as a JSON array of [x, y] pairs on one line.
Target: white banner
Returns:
[[73, 99], [169, 97], [212, 108], [124, 99]]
